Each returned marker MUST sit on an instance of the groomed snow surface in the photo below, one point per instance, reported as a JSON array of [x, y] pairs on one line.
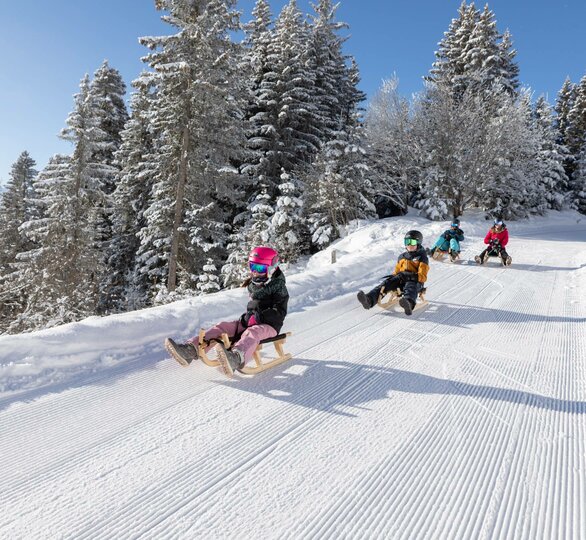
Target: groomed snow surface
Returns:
[[466, 420]]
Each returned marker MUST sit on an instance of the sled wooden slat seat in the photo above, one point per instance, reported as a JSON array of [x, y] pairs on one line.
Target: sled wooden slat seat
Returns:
[[393, 297], [278, 341]]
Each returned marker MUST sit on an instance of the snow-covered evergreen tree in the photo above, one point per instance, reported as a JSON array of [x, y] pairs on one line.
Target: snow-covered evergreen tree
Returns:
[[208, 281], [57, 276], [16, 207], [564, 103], [576, 128], [197, 112], [340, 191], [550, 156], [126, 288], [287, 223], [285, 123], [259, 228], [474, 56], [336, 94], [578, 194]]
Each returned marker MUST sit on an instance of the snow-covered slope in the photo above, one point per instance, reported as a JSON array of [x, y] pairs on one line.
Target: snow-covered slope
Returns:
[[466, 420]]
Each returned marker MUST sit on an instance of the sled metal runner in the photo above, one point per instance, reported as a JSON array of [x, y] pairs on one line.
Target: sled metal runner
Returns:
[[390, 299], [278, 341]]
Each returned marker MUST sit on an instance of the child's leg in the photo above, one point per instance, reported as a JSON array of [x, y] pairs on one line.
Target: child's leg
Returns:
[[225, 327], [441, 243], [252, 337], [410, 291], [389, 284], [454, 245]]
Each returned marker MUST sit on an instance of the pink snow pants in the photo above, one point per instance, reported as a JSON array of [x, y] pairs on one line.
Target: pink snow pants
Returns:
[[249, 339]]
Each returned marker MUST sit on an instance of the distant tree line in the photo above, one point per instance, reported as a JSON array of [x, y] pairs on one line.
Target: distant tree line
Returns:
[[230, 144]]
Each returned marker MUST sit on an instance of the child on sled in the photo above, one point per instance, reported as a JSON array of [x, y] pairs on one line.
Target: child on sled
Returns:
[[496, 238], [450, 241], [264, 317], [410, 275]]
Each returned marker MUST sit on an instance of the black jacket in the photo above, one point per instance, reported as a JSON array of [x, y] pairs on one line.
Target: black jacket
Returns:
[[268, 302]]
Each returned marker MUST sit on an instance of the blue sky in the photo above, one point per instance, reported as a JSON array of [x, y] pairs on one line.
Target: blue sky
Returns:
[[47, 47]]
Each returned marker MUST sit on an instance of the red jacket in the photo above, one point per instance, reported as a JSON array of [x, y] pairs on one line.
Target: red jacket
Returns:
[[502, 236]]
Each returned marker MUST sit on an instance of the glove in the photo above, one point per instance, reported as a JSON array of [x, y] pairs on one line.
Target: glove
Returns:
[[252, 320], [446, 236]]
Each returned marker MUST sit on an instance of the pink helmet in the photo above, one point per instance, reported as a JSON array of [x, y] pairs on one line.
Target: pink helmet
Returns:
[[263, 256]]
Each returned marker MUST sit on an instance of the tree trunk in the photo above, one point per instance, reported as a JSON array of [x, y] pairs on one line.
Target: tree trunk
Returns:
[[172, 280]]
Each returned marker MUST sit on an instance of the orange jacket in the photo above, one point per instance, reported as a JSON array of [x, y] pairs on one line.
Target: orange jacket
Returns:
[[415, 262]]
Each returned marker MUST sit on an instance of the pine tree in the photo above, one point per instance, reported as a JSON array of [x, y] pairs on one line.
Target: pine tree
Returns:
[[56, 277], [340, 192], [474, 56], [18, 204], [550, 156], [16, 207], [284, 122], [261, 210], [576, 128], [565, 101], [197, 110], [578, 193], [287, 224], [208, 281], [126, 288]]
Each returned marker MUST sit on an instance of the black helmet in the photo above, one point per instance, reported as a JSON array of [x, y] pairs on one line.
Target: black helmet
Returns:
[[455, 222], [415, 235]]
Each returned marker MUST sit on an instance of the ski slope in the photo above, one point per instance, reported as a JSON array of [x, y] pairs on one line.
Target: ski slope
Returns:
[[466, 420]]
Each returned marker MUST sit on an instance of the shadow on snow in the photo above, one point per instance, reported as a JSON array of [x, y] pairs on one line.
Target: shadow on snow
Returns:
[[345, 388]]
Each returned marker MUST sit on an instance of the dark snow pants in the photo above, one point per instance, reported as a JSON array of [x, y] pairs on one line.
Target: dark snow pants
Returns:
[[410, 288]]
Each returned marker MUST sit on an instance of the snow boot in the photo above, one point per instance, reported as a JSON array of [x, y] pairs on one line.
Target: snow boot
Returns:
[[364, 299], [184, 353], [407, 305], [478, 260], [507, 260], [454, 255], [230, 359]]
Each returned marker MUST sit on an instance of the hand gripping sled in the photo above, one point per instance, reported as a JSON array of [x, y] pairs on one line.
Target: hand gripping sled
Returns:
[[388, 300], [278, 341]]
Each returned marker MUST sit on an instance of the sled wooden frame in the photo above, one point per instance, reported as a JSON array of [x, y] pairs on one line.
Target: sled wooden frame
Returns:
[[439, 255], [278, 341], [395, 296]]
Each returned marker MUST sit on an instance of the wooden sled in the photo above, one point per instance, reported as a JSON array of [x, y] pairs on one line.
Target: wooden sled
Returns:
[[278, 341], [439, 255], [390, 299]]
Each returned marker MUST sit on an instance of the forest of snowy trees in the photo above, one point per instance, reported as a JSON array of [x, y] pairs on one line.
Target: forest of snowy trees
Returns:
[[231, 143]]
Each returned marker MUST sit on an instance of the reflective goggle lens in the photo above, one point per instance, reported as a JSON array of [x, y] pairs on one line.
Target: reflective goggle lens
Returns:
[[410, 242], [454, 224], [258, 268]]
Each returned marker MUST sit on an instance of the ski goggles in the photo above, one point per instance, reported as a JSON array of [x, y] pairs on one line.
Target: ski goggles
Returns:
[[410, 242], [498, 223], [455, 225], [258, 268]]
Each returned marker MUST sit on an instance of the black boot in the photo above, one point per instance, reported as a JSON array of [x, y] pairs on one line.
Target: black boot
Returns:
[[184, 353], [230, 360], [407, 305], [365, 300]]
